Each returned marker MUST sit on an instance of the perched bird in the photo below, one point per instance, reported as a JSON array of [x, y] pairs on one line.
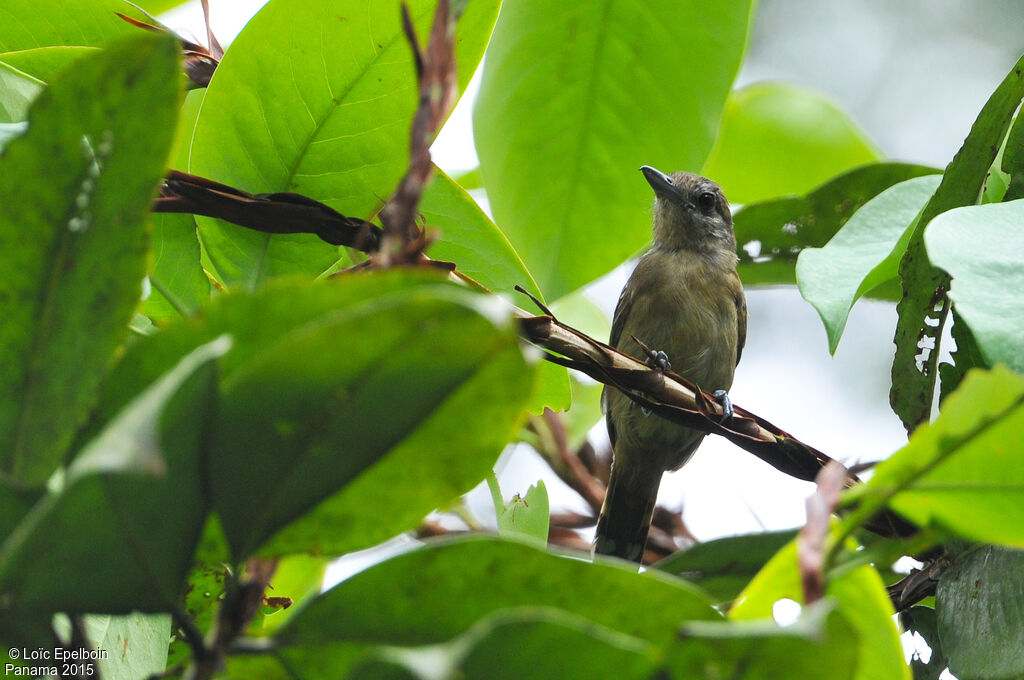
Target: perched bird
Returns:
[[685, 301]]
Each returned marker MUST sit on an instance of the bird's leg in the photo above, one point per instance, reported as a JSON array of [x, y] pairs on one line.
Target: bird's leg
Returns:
[[723, 398]]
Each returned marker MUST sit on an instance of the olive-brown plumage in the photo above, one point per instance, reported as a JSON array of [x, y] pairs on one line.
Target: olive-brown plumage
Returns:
[[685, 299]]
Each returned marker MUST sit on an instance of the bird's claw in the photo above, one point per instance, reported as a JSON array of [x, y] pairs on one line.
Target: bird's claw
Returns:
[[723, 398], [658, 361]]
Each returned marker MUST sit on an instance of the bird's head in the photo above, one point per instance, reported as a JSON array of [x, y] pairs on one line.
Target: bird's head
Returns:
[[690, 212]]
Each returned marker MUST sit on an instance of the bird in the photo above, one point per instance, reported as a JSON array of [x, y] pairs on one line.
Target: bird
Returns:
[[684, 301]]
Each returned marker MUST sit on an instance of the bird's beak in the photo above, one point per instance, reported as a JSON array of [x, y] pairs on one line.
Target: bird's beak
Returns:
[[662, 185]]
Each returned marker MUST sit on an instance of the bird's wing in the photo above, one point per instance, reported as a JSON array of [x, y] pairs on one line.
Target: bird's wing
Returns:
[[622, 308], [741, 320]]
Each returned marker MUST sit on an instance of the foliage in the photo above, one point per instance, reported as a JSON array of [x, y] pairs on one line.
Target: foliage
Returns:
[[195, 416]]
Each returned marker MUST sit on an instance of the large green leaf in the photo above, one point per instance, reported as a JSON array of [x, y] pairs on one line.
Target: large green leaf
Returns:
[[922, 309], [135, 644], [574, 98], [37, 36], [980, 607], [15, 503], [315, 97], [159, 6], [74, 194], [961, 472], [860, 597], [526, 642], [441, 430], [982, 248], [772, 234], [435, 593], [759, 650], [723, 567], [470, 239], [44, 63], [254, 321], [392, 406], [863, 254], [778, 139], [120, 535], [179, 284]]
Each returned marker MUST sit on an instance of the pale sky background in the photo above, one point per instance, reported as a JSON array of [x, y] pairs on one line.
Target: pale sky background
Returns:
[[914, 75]]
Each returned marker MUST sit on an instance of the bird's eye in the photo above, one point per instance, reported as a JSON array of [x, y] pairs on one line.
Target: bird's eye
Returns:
[[706, 200]]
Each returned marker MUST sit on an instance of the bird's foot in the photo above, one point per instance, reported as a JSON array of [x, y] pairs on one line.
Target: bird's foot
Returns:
[[723, 398], [658, 360]]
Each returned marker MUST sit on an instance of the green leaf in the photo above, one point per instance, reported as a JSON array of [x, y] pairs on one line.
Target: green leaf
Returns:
[[574, 99], [297, 577], [176, 273], [435, 593], [470, 239], [863, 254], [923, 308], [962, 471], [45, 63], [158, 6], [27, 24], [315, 97], [723, 567], [136, 644], [406, 480], [526, 642], [120, 535], [982, 248], [541, 643], [179, 284], [772, 234], [779, 138], [980, 606], [203, 594], [17, 90], [74, 193], [15, 503], [860, 597], [923, 621], [821, 638], [41, 38], [408, 384], [526, 516], [254, 321], [966, 356]]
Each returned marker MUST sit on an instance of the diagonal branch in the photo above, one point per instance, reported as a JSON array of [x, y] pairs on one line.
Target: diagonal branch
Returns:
[[677, 399], [279, 213]]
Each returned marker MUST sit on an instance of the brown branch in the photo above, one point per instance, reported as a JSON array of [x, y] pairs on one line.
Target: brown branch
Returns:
[[919, 583], [571, 520], [674, 398], [438, 90], [277, 213], [567, 465], [199, 62]]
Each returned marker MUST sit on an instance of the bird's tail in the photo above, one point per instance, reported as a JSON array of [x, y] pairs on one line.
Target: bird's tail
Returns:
[[626, 515]]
